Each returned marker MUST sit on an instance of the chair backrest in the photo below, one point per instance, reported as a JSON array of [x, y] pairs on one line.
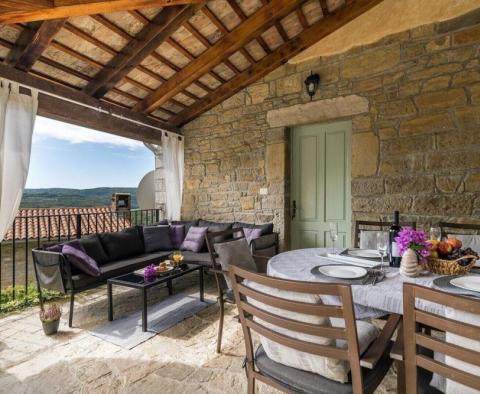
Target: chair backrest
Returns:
[[414, 339], [458, 228], [211, 237], [375, 226], [251, 317]]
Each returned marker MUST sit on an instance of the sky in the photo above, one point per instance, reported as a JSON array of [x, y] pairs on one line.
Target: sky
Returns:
[[69, 156]]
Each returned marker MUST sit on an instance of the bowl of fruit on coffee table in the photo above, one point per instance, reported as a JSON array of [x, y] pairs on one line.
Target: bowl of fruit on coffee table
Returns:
[[447, 257]]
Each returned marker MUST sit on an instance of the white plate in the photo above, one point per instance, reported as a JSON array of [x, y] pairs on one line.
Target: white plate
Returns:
[[342, 271], [368, 253], [469, 282]]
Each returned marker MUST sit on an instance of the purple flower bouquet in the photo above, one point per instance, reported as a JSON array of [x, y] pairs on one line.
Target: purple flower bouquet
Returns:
[[150, 273], [408, 238]]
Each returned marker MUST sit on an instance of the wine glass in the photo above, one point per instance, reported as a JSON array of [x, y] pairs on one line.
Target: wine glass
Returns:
[[333, 227], [435, 233], [382, 244]]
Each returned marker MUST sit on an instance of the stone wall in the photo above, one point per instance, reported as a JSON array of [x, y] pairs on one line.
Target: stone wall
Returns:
[[415, 145]]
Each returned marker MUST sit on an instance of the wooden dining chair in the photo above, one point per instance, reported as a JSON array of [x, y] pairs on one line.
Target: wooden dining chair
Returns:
[[367, 370], [230, 237], [363, 225], [419, 345], [458, 229]]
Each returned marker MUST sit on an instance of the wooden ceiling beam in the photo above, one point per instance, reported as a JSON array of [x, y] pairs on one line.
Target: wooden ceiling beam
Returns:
[[223, 49], [302, 18], [111, 26], [306, 38], [87, 37], [238, 10], [41, 39], [24, 39], [138, 48], [110, 120], [279, 27], [324, 6], [21, 11], [220, 26]]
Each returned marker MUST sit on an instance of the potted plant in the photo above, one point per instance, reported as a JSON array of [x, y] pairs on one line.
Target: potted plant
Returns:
[[50, 318]]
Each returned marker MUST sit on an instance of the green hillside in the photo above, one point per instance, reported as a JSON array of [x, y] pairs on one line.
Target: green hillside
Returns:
[[59, 198]]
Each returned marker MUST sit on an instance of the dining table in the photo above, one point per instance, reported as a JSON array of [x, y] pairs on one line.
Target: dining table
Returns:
[[371, 301]]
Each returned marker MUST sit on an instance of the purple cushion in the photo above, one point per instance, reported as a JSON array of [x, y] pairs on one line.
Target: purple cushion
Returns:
[[252, 233], [177, 235], [76, 255], [55, 248], [195, 239]]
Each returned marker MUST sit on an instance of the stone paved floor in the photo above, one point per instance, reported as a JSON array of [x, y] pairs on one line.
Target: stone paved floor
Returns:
[[179, 360]]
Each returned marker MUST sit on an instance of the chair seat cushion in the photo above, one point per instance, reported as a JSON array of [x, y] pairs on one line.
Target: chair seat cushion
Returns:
[[301, 381]]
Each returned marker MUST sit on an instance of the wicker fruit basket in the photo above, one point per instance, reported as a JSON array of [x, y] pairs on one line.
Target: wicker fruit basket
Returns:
[[452, 267]]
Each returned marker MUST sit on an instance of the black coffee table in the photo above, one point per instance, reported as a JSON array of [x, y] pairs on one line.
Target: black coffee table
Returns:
[[136, 281]]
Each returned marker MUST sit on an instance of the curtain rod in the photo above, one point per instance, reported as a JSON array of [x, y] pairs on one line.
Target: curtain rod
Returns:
[[95, 108]]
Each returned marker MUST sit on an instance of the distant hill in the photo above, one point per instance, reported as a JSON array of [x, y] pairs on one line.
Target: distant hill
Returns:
[[58, 197]]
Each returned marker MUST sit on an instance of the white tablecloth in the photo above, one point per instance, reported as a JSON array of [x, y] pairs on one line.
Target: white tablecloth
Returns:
[[370, 301]]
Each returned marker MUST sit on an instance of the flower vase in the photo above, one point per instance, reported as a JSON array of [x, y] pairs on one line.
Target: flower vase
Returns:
[[409, 263]]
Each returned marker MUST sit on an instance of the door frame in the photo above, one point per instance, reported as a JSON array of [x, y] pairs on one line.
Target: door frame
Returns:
[[289, 170]]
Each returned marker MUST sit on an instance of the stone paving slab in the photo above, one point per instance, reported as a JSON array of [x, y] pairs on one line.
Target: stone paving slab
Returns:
[[181, 359]]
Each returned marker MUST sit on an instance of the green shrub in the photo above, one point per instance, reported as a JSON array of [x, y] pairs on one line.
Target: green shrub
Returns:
[[24, 298]]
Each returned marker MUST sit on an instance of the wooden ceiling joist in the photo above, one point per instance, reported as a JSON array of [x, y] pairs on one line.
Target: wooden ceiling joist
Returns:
[[224, 48], [41, 39], [16, 11], [149, 38], [308, 37]]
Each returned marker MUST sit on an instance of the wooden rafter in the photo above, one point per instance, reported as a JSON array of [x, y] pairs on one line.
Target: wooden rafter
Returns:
[[279, 27], [229, 44], [15, 11], [302, 18], [149, 38], [220, 26], [39, 42], [238, 10], [306, 38]]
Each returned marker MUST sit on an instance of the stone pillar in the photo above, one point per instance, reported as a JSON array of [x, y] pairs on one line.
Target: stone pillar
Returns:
[[160, 195]]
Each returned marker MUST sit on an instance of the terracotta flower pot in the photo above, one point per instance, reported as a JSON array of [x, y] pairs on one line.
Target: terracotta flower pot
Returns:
[[409, 263], [50, 327]]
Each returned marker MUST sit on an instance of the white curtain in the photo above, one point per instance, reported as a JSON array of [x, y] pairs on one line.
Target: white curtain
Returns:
[[17, 118], [172, 148]]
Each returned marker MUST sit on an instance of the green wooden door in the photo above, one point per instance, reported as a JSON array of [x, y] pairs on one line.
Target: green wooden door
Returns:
[[320, 184]]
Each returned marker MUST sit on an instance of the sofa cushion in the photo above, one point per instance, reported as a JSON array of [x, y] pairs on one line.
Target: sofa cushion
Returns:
[[186, 223], [214, 227], [266, 228], [94, 248], [156, 238], [252, 233], [195, 239], [77, 256], [177, 235], [198, 258], [116, 268], [123, 244]]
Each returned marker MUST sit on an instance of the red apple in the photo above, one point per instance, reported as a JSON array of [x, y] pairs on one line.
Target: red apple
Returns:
[[444, 248], [456, 243]]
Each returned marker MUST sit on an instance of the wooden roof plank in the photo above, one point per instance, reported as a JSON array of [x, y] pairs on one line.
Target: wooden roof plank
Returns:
[[69, 8], [308, 37], [149, 38], [223, 49]]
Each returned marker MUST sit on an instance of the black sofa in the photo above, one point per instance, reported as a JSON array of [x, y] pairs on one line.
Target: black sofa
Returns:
[[123, 252]]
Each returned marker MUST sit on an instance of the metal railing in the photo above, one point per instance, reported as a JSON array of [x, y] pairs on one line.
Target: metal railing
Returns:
[[34, 231]]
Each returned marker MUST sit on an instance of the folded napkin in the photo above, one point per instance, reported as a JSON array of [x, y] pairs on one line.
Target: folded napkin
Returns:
[[339, 258]]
